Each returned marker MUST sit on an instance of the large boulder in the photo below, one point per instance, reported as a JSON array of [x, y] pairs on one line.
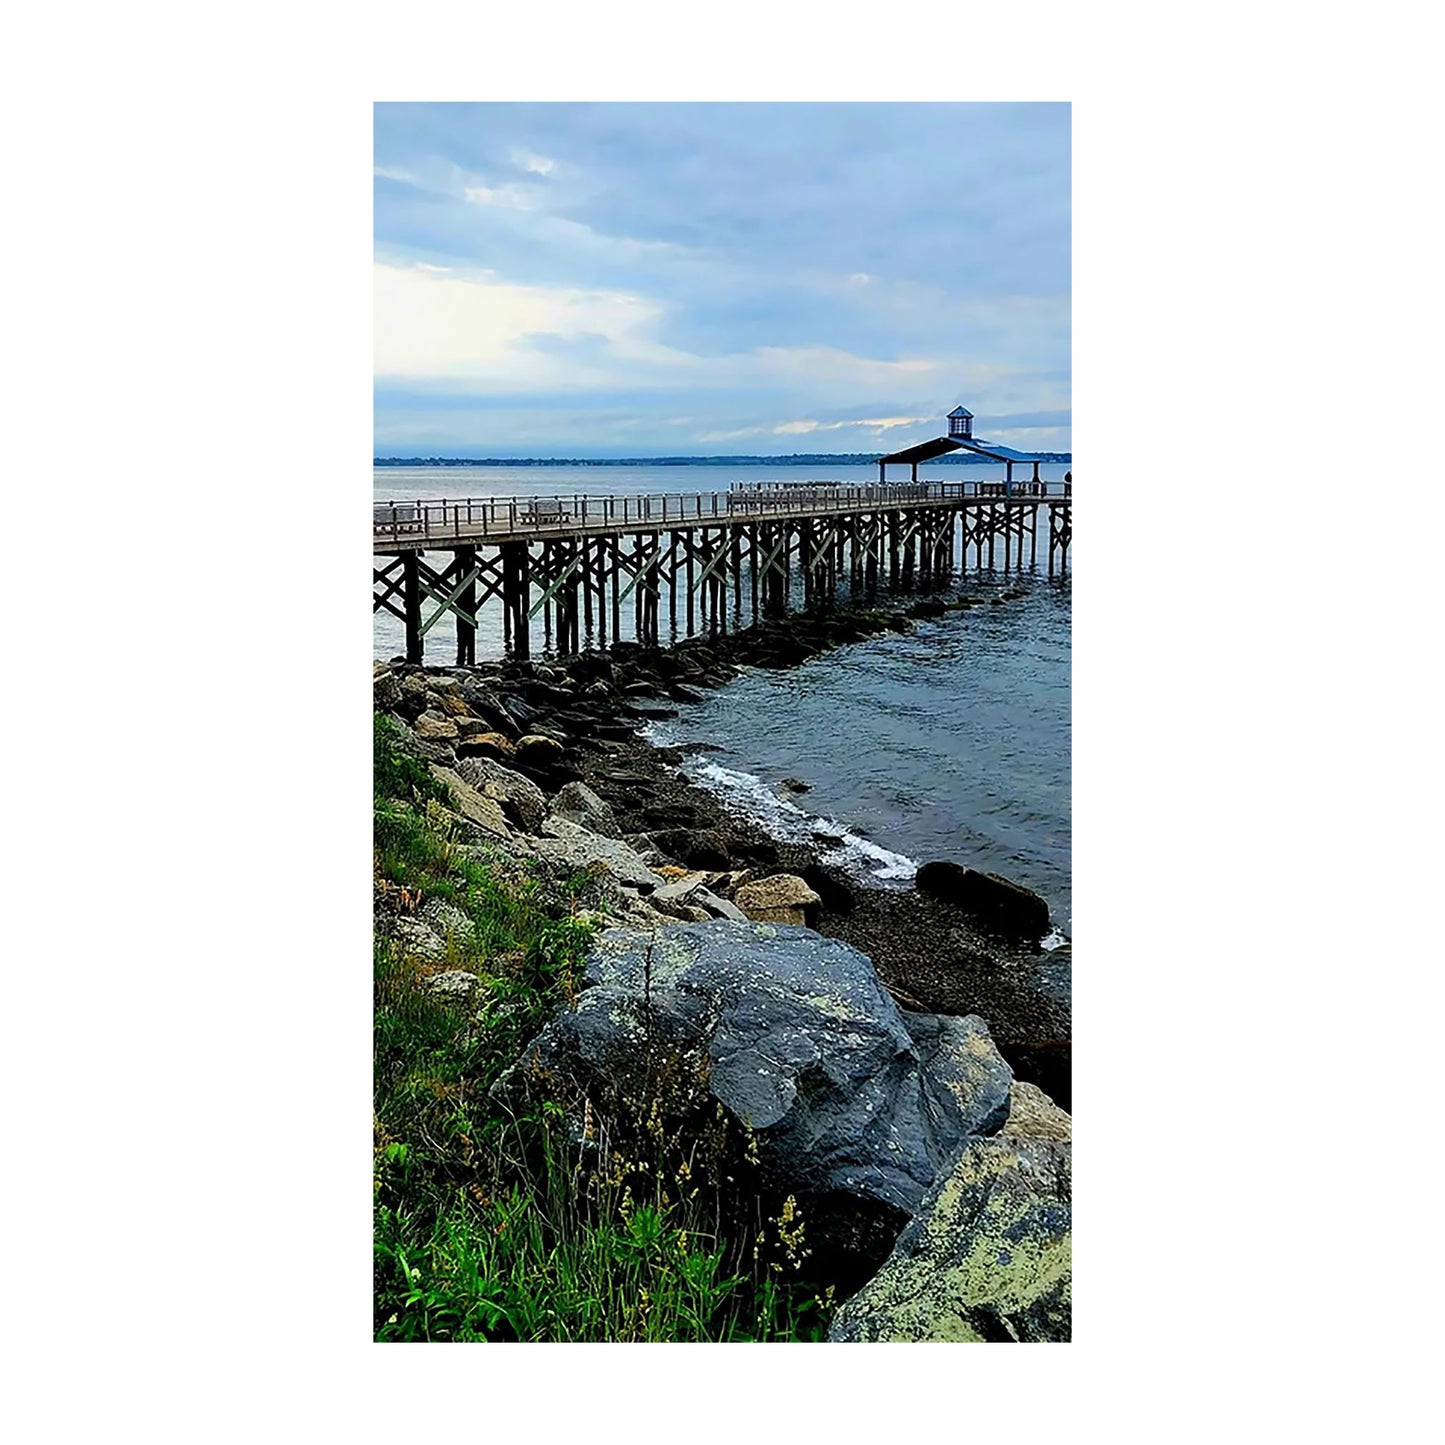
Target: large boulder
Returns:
[[996, 904], [783, 898], [988, 1256], [855, 1107], [517, 795]]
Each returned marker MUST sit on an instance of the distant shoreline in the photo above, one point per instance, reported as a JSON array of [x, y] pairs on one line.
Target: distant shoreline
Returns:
[[795, 459]]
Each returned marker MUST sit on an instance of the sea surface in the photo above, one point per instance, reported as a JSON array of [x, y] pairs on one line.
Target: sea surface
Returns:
[[950, 742]]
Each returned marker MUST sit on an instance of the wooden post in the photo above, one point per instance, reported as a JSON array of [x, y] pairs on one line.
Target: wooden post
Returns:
[[753, 564], [737, 561], [587, 586], [690, 550], [574, 585], [516, 571], [616, 582], [639, 561], [411, 603], [467, 602], [672, 554]]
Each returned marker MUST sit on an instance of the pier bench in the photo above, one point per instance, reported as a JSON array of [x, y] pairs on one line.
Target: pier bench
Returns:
[[396, 517], [545, 510]]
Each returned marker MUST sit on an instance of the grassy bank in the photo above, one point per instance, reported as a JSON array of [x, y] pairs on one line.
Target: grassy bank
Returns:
[[564, 1217]]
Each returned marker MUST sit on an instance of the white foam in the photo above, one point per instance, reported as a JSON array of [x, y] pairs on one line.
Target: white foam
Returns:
[[1053, 941], [786, 821]]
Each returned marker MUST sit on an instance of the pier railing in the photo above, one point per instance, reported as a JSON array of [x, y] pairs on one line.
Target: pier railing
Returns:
[[508, 516]]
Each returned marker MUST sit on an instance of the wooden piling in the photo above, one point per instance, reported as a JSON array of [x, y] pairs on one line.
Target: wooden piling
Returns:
[[411, 602], [467, 603]]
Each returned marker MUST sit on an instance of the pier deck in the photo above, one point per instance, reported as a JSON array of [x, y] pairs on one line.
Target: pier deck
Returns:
[[585, 555]]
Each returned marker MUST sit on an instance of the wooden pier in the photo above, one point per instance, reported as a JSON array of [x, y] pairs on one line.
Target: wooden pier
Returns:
[[706, 561]]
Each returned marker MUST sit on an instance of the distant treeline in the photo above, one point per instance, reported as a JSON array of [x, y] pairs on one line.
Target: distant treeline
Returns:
[[794, 459]]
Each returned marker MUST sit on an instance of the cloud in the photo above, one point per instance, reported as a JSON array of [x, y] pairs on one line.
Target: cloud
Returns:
[[875, 423], [886, 263], [513, 197], [492, 335], [529, 161]]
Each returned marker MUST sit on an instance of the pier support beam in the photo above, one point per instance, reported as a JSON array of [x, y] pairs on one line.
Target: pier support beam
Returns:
[[411, 602], [467, 603]]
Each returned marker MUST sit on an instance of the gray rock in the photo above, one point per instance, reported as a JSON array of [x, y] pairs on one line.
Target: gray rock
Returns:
[[573, 848], [680, 890], [987, 1258], [718, 907], [454, 983], [692, 892], [485, 812], [506, 786], [385, 690], [577, 803], [449, 921], [851, 1105], [415, 937]]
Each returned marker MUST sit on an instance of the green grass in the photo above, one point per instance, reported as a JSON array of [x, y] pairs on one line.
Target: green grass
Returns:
[[554, 1216]]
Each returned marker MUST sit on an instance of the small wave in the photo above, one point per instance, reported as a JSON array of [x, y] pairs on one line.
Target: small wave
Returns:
[[787, 822], [1053, 941]]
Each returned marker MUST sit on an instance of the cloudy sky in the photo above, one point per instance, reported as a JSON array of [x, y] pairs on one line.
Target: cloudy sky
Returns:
[[658, 279]]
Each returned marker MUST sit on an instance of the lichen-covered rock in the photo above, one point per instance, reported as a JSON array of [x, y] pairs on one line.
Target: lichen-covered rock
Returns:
[[572, 848], [855, 1108], [508, 787], [449, 921], [1033, 1115], [417, 938], [782, 898], [454, 983], [988, 1256], [485, 812], [577, 803]]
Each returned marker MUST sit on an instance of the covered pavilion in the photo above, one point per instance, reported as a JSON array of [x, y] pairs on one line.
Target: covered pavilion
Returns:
[[960, 437]]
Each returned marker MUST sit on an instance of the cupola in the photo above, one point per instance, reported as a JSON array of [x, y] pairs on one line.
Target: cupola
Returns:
[[960, 422]]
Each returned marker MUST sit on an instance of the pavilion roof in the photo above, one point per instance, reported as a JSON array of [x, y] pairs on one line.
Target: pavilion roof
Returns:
[[939, 446]]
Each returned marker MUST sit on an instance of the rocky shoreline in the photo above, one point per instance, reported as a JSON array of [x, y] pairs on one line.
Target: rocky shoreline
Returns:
[[518, 733], [897, 1059]]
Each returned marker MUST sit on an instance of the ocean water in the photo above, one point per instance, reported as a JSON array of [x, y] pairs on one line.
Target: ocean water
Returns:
[[951, 742]]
